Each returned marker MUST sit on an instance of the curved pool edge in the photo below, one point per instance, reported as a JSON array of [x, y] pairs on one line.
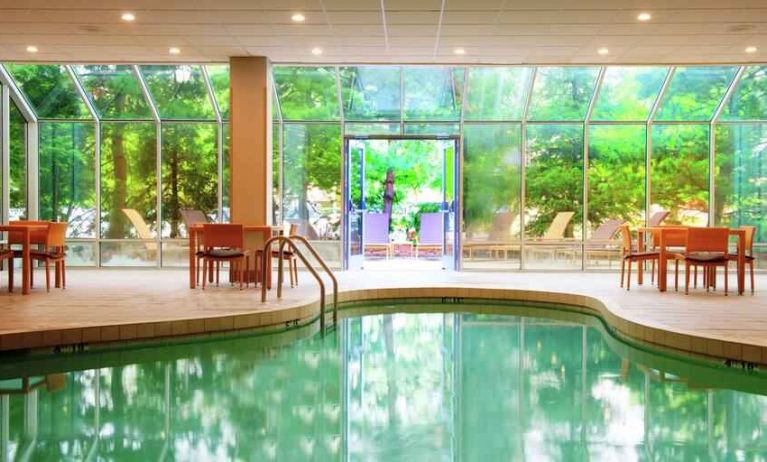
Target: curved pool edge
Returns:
[[303, 311]]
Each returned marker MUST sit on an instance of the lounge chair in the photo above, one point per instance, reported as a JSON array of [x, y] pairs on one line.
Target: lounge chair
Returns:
[[657, 218], [558, 226], [431, 232], [498, 239], [142, 229], [601, 239], [375, 231]]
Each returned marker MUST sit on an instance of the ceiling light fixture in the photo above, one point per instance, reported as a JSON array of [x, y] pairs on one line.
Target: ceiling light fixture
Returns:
[[751, 49], [298, 17], [128, 17], [316, 51], [31, 49], [459, 51], [603, 51], [174, 50], [644, 16]]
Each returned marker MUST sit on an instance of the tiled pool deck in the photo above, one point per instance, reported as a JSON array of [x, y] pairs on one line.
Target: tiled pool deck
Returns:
[[121, 305]]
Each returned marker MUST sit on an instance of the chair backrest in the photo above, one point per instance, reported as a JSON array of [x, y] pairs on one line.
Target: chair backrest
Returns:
[[193, 217], [57, 234], [501, 229], [606, 230], [626, 244], [376, 228], [558, 225], [432, 228], [657, 218], [222, 235], [707, 240], [142, 229], [750, 232]]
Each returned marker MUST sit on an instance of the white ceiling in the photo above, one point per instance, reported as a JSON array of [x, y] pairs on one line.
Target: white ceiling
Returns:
[[386, 31]]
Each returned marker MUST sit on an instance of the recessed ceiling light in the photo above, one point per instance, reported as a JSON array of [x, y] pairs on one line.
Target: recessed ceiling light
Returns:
[[128, 17], [31, 49], [644, 16], [751, 49], [316, 51], [298, 17], [603, 51], [459, 51], [174, 50]]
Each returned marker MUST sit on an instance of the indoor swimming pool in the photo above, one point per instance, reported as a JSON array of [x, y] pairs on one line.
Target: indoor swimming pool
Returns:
[[418, 381]]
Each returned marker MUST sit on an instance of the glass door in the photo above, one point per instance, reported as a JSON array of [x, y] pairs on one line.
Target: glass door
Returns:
[[354, 203], [450, 206]]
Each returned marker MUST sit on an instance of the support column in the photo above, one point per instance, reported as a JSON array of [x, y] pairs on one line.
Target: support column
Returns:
[[250, 153]]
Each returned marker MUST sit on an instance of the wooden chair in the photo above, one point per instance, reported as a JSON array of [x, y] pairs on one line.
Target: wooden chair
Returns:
[[708, 248], [223, 243], [195, 217], [750, 257], [53, 251], [630, 254], [289, 256], [6, 253], [675, 241]]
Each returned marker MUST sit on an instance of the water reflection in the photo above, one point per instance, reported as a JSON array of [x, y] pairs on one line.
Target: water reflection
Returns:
[[386, 387]]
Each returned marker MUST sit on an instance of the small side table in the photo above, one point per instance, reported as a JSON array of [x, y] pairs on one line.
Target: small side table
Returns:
[[401, 249]]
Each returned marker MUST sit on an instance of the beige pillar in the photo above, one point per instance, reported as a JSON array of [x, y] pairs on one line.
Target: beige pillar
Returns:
[[250, 152]]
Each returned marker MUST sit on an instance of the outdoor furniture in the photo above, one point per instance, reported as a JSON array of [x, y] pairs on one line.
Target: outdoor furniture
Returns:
[[706, 247], [254, 238], [375, 232], [430, 232], [499, 238], [290, 256], [21, 233], [749, 257], [657, 218], [668, 236], [558, 226], [223, 243], [601, 238], [630, 254], [53, 251], [191, 218], [6, 253]]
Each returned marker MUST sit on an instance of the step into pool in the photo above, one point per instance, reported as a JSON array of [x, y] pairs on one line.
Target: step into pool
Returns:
[[397, 382]]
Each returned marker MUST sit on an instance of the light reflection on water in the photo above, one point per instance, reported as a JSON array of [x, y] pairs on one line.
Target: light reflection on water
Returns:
[[386, 387]]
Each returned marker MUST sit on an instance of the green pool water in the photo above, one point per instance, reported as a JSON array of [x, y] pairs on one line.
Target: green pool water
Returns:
[[531, 385]]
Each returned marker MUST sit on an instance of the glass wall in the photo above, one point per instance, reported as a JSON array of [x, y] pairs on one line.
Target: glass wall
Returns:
[[553, 156], [121, 150]]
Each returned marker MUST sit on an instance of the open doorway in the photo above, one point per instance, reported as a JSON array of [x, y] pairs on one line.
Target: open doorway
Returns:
[[401, 202]]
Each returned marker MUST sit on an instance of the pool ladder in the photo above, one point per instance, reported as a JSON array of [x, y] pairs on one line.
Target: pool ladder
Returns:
[[290, 242]]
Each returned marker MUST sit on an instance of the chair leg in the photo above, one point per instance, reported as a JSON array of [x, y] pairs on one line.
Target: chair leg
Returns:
[[750, 264], [652, 273], [218, 271], [726, 282], [204, 272], [676, 275], [63, 274], [295, 269], [10, 276], [687, 278], [628, 281], [709, 283], [623, 264], [47, 275], [695, 277]]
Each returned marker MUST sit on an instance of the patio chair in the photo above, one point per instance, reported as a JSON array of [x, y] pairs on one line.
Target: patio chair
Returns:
[[53, 251], [498, 238], [600, 240], [558, 226], [630, 254], [193, 217], [290, 256], [6, 253], [224, 243], [708, 248], [431, 232], [138, 223], [375, 232], [750, 258], [657, 218]]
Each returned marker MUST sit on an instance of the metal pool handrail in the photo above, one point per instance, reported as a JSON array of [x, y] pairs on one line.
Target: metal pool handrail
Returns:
[[267, 252], [324, 266]]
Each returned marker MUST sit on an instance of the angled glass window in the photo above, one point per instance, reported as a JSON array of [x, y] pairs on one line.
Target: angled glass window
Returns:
[[562, 93], [67, 176], [695, 92], [433, 129], [679, 173], [307, 93], [432, 93], [179, 92], [741, 177], [219, 81], [371, 129], [49, 90], [114, 91], [749, 101], [628, 92], [496, 93], [371, 92]]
